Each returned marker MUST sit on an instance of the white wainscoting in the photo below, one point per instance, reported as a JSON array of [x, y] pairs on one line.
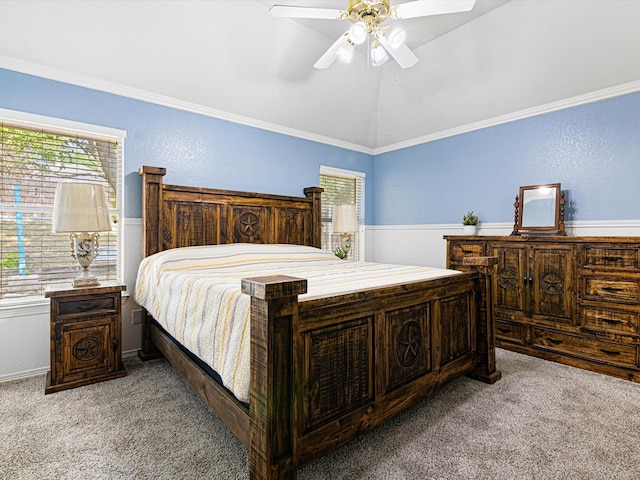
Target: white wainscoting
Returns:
[[24, 330], [424, 245]]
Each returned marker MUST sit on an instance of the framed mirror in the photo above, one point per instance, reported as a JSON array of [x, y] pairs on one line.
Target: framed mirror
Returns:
[[539, 210]]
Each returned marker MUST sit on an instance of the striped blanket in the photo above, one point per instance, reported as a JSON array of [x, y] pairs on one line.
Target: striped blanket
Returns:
[[194, 294]]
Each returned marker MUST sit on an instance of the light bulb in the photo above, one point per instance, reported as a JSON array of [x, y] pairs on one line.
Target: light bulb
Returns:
[[378, 56], [396, 37], [358, 33], [345, 52]]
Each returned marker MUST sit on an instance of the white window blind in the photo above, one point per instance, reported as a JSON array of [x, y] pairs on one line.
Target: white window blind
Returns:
[[342, 186], [32, 162]]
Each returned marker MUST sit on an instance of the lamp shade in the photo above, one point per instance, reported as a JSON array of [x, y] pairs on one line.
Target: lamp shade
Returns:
[[345, 219], [378, 56], [80, 207], [358, 33]]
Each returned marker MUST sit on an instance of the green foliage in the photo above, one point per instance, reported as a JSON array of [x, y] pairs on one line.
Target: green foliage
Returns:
[[337, 190], [470, 218], [10, 260], [340, 253], [26, 152]]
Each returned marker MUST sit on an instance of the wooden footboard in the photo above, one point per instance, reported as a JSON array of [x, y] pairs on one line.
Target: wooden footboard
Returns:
[[324, 371]]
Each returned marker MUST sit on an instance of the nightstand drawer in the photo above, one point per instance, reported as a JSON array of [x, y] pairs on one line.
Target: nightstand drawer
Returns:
[[96, 305]]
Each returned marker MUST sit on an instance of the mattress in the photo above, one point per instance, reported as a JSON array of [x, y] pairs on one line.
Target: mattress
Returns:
[[194, 293]]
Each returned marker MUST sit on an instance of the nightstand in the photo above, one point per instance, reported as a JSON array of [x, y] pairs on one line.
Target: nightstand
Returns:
[[86, 335]]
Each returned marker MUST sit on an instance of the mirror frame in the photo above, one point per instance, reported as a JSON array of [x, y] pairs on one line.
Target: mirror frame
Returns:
[[557, 228]]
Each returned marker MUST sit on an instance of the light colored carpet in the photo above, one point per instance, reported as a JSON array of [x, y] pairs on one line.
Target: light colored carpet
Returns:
[[541, 421]]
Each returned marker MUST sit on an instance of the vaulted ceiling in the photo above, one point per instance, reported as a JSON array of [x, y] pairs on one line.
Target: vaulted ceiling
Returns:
[[233, 60]]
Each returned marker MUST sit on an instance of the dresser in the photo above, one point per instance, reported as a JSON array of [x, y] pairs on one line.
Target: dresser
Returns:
[[573, 300]]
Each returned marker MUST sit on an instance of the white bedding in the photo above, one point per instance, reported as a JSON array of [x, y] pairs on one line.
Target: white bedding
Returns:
[[194, 294]]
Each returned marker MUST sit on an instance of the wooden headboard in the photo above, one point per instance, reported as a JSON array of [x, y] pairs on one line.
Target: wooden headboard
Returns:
[[179, 216]]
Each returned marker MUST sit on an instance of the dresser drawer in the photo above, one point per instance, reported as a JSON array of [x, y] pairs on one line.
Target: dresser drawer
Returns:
[[610, 289], [565, 344], [458, 251], [509, 331], [609, 320], [610, 256], [97, 304]]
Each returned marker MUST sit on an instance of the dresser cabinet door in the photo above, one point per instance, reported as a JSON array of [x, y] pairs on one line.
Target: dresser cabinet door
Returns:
[[510, 276], [551, 283]]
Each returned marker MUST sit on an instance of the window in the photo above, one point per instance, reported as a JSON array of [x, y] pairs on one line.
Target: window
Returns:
[[342, 186], [34, 158]]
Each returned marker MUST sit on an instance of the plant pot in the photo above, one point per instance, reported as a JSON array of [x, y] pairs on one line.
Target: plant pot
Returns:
[[469, 229]]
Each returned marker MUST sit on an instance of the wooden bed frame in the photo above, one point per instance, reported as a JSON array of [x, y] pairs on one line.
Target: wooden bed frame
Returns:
[[322, 371]]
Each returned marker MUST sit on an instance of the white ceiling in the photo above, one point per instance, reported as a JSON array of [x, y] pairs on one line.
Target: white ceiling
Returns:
[[232, 59]]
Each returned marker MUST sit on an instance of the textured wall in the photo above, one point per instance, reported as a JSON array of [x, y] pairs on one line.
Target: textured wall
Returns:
[[195, 149], [592, 150]]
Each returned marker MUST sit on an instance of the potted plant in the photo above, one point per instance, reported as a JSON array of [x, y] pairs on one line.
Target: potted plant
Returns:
[[470, 221]]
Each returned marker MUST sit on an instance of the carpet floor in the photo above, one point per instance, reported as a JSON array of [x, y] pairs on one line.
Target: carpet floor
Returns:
[[541, 421]]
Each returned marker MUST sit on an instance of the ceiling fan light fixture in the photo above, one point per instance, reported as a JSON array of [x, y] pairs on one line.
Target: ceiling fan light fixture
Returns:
[[367, 18], [358, 33], [396, 37], [345, 52], [378, 56]]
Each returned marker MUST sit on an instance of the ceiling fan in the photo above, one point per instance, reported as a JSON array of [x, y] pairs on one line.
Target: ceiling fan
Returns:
[[367, 17]]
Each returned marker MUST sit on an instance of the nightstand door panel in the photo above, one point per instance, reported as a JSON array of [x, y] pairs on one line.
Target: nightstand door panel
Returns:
[[88, 348]]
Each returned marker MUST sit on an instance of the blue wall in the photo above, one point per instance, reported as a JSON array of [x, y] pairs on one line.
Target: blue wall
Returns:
[[593, 150], [195, 149]]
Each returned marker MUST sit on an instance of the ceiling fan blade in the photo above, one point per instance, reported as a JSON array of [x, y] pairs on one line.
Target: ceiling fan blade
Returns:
[[403, 54], [423, 8], [307, 12], [330, 55]]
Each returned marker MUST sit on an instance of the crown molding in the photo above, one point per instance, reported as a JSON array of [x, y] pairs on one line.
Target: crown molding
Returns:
[[64, 76], [11, 63], [578, 100]]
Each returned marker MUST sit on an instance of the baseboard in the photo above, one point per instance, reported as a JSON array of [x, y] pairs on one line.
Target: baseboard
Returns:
[[43, 370], [25, 374]]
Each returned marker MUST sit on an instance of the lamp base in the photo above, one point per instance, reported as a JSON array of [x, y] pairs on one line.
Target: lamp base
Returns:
[[84, 248], [85, 281], [345, 245]]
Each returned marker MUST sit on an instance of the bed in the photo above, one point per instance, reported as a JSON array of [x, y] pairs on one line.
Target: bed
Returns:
[[323, 368]]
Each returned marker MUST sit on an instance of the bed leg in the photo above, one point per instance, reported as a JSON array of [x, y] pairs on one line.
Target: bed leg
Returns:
[[148, 351], [485, 370], [272, 404]]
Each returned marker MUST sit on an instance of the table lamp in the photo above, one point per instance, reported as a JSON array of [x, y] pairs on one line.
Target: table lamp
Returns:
[[344, 222], [81, 210]]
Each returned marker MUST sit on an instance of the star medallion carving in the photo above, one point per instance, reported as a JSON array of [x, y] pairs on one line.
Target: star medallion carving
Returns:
[[507, 278], [409, 343], [249, 224], [87, 349], [552, 283]]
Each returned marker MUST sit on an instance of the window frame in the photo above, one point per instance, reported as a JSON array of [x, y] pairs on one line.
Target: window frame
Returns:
[[72, 128], [359, 178]]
